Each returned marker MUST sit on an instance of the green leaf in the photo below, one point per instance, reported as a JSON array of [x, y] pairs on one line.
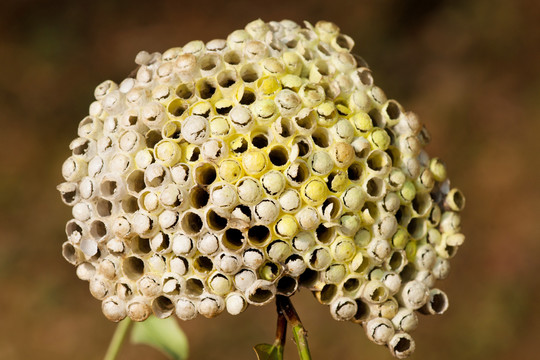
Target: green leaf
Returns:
[[162, 334], [269, 352]]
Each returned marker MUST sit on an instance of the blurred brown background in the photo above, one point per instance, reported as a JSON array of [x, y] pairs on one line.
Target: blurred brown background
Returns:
[[470, 69]]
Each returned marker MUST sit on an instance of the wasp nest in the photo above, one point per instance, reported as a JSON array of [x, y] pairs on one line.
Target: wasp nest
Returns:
[[225, 173]]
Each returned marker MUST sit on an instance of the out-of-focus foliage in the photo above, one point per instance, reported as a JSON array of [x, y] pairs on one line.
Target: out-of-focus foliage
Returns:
[[162, 334]]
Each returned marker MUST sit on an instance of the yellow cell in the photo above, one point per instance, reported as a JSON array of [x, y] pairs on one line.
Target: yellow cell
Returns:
[[168, 152], [438, 169], [400, 238], [269, 85], [380, 139], [410, 250], [230, 170], [343, 249], [255, 162], [408, 191], [291, 81], [219, 126], [343, 109], [314, 191], [362, 122], [287, 227]]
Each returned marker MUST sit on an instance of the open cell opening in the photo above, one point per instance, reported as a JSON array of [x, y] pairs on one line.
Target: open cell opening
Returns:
[[330, 180], [364, 267], [104, 207], [108, 187], [69, 196], [374, 187], [206, 89], [351, 284], [260, 295], [194, 287], [184, 91], [451, 250], [133, 267], [203, 264], [421, 203], [439, 303], [307, 122], [403, 215], [297, 172], [308, 278], [284, 127], [233, 239], [354, 172], [69, 253], [407, 273], [402, 345], [258, 234], [132, 120], [376, 118], [291, 44], [199, 197], [81, 148], [192, 223], [458, 199], [365, 76], [208, 62], [162, 307], [378, 294], [304, 147], [98, 229], [215, 221], [239, 145], [322, 67], [177, 107], [250, 73], [397, 261], [344, 42], [194, 154], [307, 54], [392, 110], [232, 58], [135, 181], [226, 78], [152, 138], [140, 245], [417, 228], [325, 234], [269, 271], [130, 205], [323, 50], [278, 155], [372, 210], [321, 138], [73, 230], [328, 293], [362, 310], [332, 207], [223, 109], [205, 174], [260, 141], [286, 285], [378, 160], [248, 97], [163, 244]]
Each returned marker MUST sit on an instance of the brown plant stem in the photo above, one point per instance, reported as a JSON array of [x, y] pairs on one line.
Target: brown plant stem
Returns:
[[285, 307]]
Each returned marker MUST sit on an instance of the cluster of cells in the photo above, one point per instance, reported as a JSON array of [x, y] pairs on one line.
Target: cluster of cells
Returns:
[[222, 174]]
